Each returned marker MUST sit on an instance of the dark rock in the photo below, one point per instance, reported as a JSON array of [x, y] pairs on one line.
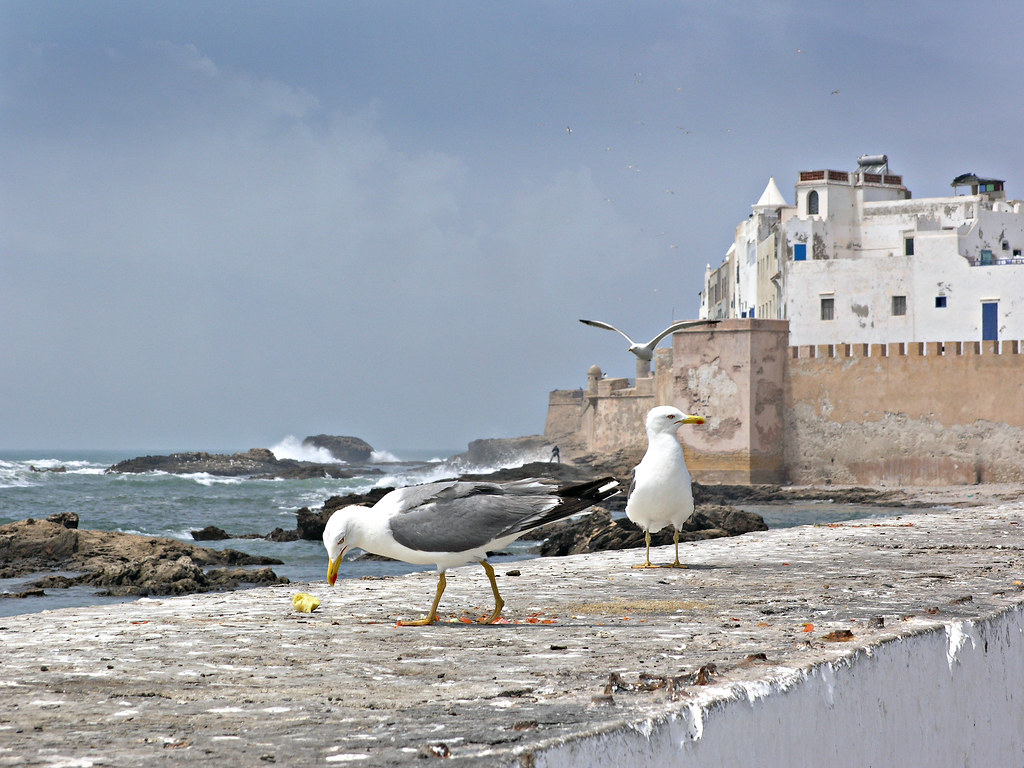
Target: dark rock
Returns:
[[210, 533], [66, 519], [562, 473], [502, 452], [766, 494], [23, 594], [257, 462], [280, 534], [122, 563], [349, 449], [310, 524], [599, 531]]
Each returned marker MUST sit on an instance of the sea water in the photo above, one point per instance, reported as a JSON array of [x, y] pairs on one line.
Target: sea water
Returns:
[[162, 504]]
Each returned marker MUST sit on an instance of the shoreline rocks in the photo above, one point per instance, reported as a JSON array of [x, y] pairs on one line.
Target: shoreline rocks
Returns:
[[121, 563], [599, 531]]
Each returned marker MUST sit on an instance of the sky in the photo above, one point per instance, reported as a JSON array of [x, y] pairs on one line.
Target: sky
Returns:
[[222, 223]]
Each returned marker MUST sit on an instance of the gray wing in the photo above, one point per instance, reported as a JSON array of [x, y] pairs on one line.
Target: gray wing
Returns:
[[459, 516], [607, 327]]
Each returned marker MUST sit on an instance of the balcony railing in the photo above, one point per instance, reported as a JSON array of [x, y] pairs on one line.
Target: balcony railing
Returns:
[[982, 261], [844, 177]]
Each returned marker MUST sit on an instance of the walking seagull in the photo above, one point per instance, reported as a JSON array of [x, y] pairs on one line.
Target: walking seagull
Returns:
[[661, 492], [452, 523], [646, 351]]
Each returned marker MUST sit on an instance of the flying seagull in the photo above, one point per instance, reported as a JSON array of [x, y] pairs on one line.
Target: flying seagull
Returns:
[[661, 492], [646, 351], [453, 523]]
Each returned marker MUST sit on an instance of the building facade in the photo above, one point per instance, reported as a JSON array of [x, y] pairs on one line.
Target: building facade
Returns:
[[857, 260]]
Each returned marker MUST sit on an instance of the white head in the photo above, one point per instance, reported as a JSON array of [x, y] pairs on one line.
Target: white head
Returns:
[[335, 533], [666, 418], [641, 351]]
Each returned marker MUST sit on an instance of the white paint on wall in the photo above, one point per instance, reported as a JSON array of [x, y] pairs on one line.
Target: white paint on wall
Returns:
[[965, 250], [946, 696]]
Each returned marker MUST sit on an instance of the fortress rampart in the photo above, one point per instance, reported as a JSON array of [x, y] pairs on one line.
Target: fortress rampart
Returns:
[[918, 413]]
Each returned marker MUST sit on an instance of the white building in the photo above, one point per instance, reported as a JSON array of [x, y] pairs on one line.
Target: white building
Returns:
[[856, 260]]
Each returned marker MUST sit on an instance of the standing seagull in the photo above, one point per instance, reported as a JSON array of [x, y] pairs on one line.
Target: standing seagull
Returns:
[[661, 492], [452, 523], [646, 351]]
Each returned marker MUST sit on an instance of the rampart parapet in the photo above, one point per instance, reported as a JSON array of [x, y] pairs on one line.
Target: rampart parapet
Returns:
[[913, 413]]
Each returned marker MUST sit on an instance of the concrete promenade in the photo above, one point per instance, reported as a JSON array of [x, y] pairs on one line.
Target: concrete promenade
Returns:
[[881, 642]]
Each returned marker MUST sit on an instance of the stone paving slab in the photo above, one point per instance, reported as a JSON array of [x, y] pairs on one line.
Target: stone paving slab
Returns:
[[242, 679]]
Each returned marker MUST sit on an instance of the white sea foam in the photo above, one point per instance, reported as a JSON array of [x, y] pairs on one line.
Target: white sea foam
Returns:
[[292, 448], [383, 457], [205, 478]]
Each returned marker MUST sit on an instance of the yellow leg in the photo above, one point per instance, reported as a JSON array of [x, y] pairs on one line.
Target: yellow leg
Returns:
[[676, 564], [498, 602], [647, 557], [432, 616]]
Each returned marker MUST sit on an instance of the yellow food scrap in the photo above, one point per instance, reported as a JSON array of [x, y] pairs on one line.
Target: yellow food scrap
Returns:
[[305, 602]]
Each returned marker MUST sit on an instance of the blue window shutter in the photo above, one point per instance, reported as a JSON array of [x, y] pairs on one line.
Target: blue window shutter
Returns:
[[800, 252], [990, 321]]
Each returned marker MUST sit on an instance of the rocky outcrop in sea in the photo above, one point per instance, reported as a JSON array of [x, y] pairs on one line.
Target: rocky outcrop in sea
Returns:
[[121, 563], [257, 463]]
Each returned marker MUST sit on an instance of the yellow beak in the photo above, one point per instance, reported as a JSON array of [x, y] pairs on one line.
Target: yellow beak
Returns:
[[692, 420], [332, 569]]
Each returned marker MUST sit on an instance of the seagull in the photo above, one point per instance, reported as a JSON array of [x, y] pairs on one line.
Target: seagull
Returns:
[[455, 522], [661, 492], [646, 351]]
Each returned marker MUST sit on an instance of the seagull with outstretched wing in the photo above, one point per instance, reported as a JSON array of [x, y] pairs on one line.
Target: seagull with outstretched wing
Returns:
[[646, 351]]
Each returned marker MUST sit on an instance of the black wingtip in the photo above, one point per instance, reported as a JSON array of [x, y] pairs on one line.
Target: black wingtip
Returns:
[[593, 490]]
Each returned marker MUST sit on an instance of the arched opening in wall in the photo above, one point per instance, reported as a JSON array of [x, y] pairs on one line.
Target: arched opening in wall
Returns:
[[812, 202]]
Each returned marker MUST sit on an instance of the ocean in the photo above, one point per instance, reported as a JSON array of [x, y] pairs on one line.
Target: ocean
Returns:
[[161, 504]]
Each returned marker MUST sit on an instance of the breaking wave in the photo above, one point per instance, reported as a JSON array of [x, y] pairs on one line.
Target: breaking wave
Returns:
[[292, 448]]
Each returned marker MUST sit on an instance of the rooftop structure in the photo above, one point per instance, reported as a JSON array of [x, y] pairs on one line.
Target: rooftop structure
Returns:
[[857, 260]]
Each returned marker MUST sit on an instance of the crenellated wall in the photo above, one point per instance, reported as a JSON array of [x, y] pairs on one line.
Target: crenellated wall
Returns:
[[920, 414], [931, 413]]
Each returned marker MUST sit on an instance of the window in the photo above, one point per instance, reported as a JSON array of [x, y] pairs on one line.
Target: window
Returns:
[[812, 202], [908, 246], [899, 305], [1006, 245], [940, 302], [990, 321], [800, 252], [986, 256], [828, 308]]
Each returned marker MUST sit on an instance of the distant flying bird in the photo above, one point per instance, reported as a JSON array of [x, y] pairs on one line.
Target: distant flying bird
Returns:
[[451, 523], [661, 492], [834, 92], [646, 351]]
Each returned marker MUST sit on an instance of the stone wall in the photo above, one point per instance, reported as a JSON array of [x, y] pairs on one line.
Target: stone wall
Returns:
[[914, 414], [732, 375]]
